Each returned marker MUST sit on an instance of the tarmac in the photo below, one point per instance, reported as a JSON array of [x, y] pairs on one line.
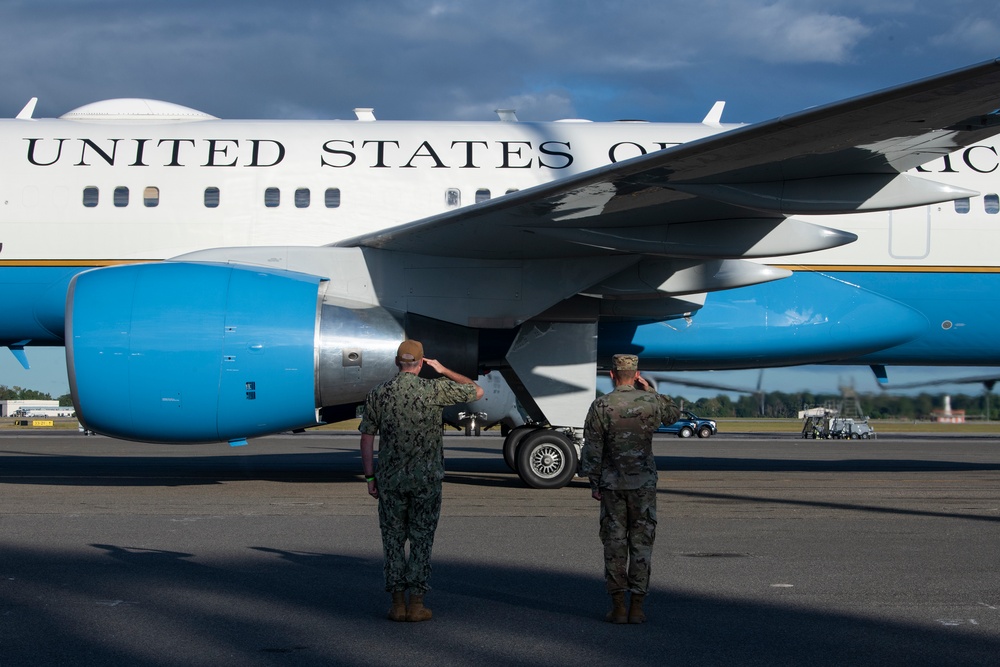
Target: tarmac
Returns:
[[771, 550]]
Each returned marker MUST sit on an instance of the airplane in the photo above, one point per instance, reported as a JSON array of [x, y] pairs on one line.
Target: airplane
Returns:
[[497, 406], [216, 280]]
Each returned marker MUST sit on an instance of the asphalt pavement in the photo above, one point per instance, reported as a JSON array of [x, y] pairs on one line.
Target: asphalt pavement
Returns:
[[770, 551]]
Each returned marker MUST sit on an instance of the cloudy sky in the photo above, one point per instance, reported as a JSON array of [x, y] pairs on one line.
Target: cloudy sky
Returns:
[[440, 60]]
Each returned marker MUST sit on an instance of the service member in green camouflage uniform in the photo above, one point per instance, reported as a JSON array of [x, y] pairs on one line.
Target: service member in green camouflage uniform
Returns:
[[617, 457], [406, 413]]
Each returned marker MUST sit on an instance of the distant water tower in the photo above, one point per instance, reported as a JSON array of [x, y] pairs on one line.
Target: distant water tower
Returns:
[[947, 415]]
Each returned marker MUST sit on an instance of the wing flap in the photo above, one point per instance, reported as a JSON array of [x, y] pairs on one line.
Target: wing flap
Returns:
[[860, 143]]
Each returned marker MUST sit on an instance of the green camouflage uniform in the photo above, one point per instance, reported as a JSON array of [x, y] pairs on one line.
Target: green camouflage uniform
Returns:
[[617, 457], [406, 413]]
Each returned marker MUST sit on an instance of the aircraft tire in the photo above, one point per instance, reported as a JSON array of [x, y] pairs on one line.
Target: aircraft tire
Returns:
[[511, 443], [546, 459]]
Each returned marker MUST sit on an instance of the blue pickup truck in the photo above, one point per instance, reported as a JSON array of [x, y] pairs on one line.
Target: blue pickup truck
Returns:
[[690, 424]]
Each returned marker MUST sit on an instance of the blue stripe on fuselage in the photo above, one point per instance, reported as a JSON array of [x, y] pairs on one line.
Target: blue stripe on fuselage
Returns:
[[886, 317]]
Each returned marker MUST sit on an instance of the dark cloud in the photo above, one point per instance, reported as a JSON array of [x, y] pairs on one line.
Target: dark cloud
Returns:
[[461, 60]]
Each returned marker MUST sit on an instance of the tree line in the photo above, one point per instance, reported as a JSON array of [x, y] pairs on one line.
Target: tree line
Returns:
[[16, 393], [780, 405]]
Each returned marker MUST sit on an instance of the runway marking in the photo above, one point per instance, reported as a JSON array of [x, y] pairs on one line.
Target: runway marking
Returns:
[[782, 585], [988, 606]]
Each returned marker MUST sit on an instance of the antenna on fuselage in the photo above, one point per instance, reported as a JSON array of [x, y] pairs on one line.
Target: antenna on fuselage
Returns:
[[714, 117], [28, 110], [366, 114], [507, 115]]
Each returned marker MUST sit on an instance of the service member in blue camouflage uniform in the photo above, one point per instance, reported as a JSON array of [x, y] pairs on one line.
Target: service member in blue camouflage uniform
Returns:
[[406, 414], [618, 459]]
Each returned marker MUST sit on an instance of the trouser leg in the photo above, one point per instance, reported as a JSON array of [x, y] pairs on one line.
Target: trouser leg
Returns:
[[614, 536], [425, 511], [641, 535], [393, 517]]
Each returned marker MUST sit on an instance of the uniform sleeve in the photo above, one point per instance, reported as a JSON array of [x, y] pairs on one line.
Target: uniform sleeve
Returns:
[[592, 454], [668, 409], [370, 419], [449, 392]]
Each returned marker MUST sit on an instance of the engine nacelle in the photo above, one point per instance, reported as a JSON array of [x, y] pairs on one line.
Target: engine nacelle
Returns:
[[186, 352]]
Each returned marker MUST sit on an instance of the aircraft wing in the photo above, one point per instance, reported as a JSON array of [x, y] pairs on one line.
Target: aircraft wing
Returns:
[[724, 196], [986, 380]]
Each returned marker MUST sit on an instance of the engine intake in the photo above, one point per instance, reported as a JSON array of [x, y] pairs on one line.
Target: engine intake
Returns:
[[187, 352]]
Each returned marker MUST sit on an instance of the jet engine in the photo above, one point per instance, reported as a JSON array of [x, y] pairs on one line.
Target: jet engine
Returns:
[[191, 352]]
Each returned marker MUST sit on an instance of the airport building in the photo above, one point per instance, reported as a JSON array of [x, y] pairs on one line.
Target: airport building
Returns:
[[35, 409]]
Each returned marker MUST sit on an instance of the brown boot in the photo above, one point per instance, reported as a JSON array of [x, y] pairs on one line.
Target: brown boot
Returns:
[[416, 611], [635, 613], [617, 613], [398, 610]]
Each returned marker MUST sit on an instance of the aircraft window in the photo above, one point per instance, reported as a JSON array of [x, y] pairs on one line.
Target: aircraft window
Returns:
[[302, 198], [121, 196], [511, 191], [151, 196], [332, 197], [452, 197], [90, 196], [482, 194], [211, 197], [992, 204], [962, 205], [272, 197]]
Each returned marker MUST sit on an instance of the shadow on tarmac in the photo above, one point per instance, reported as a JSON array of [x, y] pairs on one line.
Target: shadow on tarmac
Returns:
[[124, 604], [344, 466]]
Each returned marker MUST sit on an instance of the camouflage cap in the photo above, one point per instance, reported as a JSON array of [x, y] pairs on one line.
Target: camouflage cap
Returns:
[[625, 362], [409, 351]]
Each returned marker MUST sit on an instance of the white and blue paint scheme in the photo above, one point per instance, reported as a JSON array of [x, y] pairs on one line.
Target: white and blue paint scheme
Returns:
[[214, 280]]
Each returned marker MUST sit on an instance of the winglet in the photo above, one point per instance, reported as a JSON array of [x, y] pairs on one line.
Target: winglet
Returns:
[[880, 373], [714, 117], [28, 110], [17, 349]]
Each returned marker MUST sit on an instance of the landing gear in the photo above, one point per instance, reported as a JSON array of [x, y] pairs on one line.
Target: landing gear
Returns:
[[512, 442], [546, 459]]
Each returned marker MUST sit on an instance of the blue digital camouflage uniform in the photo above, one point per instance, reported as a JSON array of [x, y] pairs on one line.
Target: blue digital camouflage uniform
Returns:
[[618, 459], [406, 414]]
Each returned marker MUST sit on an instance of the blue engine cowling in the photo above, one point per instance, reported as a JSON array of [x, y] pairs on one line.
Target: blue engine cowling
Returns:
[[186, 352]]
